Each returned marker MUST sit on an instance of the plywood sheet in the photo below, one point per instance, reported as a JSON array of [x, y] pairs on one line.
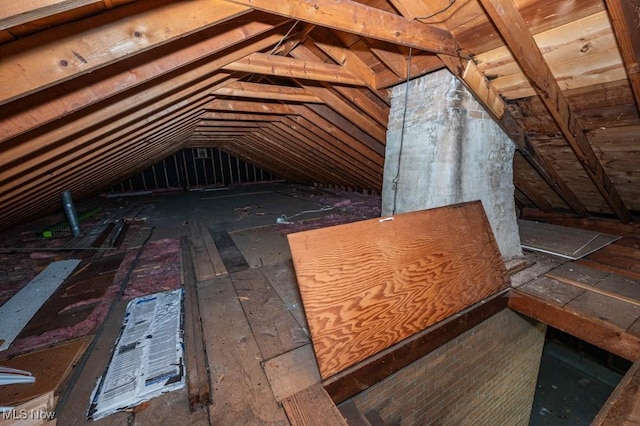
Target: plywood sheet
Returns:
[[570, 243], [50, 367], [370, 284]]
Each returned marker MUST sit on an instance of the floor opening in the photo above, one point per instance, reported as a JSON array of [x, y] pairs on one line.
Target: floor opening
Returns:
[[574, 381]]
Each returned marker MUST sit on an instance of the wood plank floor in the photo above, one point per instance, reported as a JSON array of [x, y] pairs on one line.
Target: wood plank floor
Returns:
[[256, 335], [595, 305], [254, 330]]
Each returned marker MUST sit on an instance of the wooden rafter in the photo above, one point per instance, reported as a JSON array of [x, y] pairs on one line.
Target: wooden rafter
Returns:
[[91, 44], [513, 29], [356, 18], [106, 83], [530, 192], [157, 92], [486, 94], [267, 91], [330, 45], [262, 63], [625, 18]]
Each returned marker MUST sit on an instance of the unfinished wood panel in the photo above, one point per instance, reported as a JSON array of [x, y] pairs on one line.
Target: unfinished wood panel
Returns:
[[42, 404], [49, 366], [361, 376], [230, 255], [370, 284], [283, 279], [313, 406], [90, 289], [241, 392], [551, 290]]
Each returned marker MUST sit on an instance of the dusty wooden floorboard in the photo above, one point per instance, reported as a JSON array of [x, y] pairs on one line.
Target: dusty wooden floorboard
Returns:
[[275, 330], [292, 372], [312, 406], [75, 405], [241, 393], [233, 259], [283, 279]]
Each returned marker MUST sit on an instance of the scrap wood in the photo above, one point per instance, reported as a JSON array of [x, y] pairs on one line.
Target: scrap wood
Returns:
[[593, 289], [199, 390], [50, 367]]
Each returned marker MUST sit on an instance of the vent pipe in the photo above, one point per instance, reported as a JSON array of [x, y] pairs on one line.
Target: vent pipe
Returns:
[[70, 210]]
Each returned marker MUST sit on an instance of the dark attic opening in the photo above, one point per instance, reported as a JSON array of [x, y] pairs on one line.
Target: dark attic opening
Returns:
[[345, 212]]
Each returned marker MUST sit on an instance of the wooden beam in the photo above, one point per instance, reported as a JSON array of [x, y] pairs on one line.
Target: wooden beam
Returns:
[[593, 330], [513, 29], [354, 380], [530, 192], [58, 143], [622, 408], [486, 94], [583, 286], [625, 18], [340, 105], [331, 46], [231, 37], [357, 18], [262, 63], [90, 44], [243, 89], [14, 13], [248, 106], [197, 78], [514, 130]]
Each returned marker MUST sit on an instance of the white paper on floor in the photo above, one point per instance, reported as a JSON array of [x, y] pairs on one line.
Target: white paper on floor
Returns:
[[148, 357]]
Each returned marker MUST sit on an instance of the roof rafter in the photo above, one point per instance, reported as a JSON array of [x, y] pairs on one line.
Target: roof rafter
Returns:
[[105, 83], [485, 94], [356, 18], [262, 63], [625, 18], [243, 89], [513, 29], [91, 44]]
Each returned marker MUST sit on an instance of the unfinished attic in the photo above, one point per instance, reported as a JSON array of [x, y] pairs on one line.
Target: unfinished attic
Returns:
[[319, 212]]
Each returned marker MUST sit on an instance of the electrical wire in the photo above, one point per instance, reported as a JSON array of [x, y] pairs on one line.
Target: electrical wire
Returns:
[[284, 219], [283, 38], [404, 117], [424, 18]]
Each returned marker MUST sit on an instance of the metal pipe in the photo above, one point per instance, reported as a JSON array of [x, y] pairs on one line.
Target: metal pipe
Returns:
[[70, 211]]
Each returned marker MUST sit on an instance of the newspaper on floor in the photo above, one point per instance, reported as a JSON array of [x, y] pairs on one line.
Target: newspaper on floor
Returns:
[[148, 358]]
